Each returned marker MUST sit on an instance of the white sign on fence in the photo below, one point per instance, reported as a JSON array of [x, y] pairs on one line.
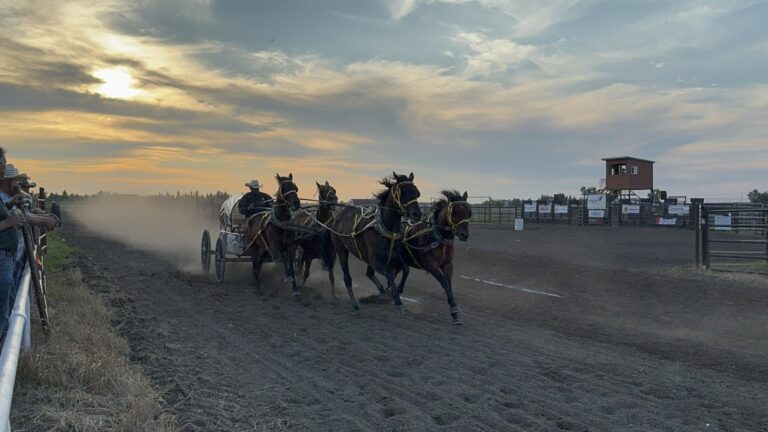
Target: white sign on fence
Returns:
[[530, 208], [561, 209], [545, 209], [722, 222], [679, 209], [596, 213], [630, 209], [596, 202], [666, 221]]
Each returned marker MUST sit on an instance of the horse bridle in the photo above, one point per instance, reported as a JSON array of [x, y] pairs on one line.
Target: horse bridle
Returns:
[[282, 196], [455, 225], [397, 194]]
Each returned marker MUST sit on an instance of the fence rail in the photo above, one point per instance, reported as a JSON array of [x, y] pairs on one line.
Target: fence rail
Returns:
[[17, 340]]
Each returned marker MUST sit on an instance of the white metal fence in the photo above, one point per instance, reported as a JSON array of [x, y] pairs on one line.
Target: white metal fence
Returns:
[[17, 339]]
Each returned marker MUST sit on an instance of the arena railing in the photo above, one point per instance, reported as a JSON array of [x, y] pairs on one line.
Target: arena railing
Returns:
[[17, 340]]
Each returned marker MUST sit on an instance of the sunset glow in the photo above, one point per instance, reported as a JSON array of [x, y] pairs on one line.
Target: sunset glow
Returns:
[[117, 83]]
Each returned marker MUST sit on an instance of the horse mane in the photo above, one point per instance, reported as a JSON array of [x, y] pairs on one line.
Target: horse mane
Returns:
[[388, 182], [448, 196]]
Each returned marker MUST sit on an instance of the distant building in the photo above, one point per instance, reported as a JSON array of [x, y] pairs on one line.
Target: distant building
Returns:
[[630, 174], [364, 202]]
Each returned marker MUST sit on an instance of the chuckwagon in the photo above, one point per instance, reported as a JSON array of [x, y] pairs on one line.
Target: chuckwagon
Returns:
[[231, 243]]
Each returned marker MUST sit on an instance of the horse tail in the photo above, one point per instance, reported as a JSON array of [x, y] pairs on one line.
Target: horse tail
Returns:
[[327, 252]]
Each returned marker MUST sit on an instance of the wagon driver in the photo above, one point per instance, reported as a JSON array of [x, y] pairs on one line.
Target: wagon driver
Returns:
[[254, 201]]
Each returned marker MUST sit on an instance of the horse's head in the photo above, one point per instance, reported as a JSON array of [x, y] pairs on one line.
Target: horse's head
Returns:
[[405, 196], [287, 192], [326, 194], [454, 213]]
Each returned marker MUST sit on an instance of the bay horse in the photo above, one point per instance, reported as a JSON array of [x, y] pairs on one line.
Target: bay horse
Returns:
[[269, 233], [429, 245], [374, 237], [312, 245]]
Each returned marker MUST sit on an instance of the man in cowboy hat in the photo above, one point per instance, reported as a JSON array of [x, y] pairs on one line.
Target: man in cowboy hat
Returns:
[[254, 201], [10, 236]]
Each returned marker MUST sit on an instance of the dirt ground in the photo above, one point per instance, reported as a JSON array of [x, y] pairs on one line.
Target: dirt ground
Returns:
[[567, 328]]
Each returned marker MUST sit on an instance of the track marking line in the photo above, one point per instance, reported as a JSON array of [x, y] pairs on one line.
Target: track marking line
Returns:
[[510, 286], [409, 299]]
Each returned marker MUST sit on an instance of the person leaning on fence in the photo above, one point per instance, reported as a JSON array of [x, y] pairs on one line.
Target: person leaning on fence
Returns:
[[10, 235]]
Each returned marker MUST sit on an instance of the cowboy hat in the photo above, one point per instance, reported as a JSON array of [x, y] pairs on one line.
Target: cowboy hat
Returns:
[[11, 173], [254, 184], [27, 182]]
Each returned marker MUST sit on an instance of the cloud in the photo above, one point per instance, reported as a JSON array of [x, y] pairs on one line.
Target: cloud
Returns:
[[489, 88]]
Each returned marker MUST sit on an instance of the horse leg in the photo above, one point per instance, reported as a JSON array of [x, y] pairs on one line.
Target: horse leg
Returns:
[[395, 291], [406, 272], [444, 276], [306, 263], [344, 263], [289, 272], [372, 276], [256, 261], [332, 281]]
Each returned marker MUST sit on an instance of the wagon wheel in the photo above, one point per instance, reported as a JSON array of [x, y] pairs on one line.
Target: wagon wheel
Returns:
[[221, 260], [205, 251]]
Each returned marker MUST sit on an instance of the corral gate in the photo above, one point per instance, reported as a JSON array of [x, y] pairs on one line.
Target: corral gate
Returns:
[[732, 239]]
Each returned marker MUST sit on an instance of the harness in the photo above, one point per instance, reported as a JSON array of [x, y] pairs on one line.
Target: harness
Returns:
[[271, 217], [437, 237]]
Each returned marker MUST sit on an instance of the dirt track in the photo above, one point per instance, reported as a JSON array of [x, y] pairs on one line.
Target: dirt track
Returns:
[[635, 340]]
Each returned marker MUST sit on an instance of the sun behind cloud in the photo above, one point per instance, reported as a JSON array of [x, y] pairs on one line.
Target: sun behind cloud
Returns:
[[116, 83]]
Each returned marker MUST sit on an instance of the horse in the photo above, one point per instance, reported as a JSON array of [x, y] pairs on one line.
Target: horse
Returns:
[[374, 237], [429, 245], [312, 244], [269, 233]]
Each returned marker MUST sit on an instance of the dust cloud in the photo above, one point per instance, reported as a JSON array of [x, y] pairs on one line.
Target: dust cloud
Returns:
[[172, 228]]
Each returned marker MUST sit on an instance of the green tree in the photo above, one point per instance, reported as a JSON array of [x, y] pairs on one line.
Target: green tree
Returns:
[[758, 197], [588, 190]]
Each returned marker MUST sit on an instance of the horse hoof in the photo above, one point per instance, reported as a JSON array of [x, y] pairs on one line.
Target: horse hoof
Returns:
[[458, 322], [399, 308]]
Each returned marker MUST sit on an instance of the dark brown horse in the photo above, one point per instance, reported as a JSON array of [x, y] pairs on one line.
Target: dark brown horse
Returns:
[[269, 233], [429, 245], [311, 245], [375, 237]]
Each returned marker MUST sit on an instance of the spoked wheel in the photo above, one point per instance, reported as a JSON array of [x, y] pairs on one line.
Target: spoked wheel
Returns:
[[221, 260], [205, 251]]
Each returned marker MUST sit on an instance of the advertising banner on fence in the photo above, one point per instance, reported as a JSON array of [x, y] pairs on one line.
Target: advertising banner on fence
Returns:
[[596, 202], [679, 209], [666, 221], [722, 222], [630, 209], [530, 208], [596, 213], [561, 209], [544, 209]]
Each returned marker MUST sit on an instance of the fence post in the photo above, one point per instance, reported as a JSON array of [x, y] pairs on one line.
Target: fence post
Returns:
[[705, 237], [538, 216], [765, 221], [696, 203]]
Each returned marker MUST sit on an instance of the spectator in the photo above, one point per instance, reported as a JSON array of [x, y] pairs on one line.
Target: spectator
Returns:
[[10, 224]]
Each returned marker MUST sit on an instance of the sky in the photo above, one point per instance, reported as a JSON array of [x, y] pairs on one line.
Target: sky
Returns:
[[499, 98]]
